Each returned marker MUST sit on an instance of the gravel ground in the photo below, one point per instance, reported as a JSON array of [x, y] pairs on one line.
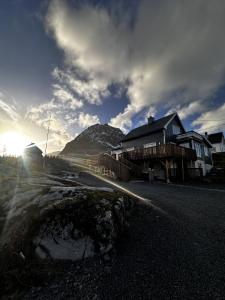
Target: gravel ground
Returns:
[[173, 249]]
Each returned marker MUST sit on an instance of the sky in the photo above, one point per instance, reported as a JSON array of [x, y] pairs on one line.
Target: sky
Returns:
[[103, 61]]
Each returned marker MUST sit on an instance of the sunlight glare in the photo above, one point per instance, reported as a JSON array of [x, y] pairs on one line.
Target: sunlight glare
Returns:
[[12, 143]]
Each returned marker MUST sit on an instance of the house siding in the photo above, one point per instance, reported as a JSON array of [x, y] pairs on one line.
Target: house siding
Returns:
[[187, 144], [170, 136], [157, 137], [219, 147]]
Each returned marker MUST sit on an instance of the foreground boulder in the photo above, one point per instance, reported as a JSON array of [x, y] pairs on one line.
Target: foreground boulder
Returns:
[[58, 224], [69, 223], [82, 224]]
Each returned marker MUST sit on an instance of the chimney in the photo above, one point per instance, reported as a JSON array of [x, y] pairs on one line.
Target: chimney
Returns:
[[151, 119], [206, 134]]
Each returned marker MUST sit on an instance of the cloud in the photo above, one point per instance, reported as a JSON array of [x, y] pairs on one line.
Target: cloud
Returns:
[[85, 34], [85, 88], [7, 111], [65, 123], [123, 119], [211, 121], [65, 97], [149, 112], [172, 54], [188, 110], [34, 124], [53, 111], [85, 120], [9, 115]]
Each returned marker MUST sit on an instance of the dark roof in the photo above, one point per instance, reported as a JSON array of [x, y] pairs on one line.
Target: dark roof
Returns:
[[190, 132], [205, 139], [215, 137], [156, 125], [32, 148]]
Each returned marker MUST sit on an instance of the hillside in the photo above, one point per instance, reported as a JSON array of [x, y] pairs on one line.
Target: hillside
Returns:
[[55, 153], [93, 140]]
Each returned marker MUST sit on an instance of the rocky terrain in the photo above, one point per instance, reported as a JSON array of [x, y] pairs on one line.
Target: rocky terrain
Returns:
[[47, 219], [94, 140]]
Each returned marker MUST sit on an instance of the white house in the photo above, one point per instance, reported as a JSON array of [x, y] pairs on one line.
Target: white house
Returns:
[[201, 145], [33, 155], [218, 142], [164, 146]]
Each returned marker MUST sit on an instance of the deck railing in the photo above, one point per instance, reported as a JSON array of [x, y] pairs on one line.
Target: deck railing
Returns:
[[161, 151]]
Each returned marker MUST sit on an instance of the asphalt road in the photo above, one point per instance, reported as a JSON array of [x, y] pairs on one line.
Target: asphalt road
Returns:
[[173, 249], [186, 228]]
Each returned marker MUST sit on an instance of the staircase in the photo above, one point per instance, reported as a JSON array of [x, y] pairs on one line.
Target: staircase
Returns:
[[135, 170], [119, 168], [105, 165]]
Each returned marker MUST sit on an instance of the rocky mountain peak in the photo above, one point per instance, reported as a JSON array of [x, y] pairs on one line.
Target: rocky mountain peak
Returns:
[[95, 139]]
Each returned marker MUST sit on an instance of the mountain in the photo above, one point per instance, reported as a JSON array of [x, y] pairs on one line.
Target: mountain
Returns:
[[94, 140]]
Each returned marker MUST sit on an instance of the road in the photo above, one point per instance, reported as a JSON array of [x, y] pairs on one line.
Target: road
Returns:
[[188, 237], [173, 249]]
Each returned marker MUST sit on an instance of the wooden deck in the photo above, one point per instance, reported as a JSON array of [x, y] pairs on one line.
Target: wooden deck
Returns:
[[159, 152]]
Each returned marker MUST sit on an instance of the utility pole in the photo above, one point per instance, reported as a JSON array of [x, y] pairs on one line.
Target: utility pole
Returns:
[[46, 145], [4, 150]]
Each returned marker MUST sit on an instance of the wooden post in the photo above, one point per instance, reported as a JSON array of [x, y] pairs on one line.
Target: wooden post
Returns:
[[167, 172], [182, 166]]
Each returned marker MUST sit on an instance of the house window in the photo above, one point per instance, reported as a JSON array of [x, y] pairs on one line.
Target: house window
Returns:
[[198, 150], [186, 145], [206, 150], [176, 129], [149, 145], [130, 149]]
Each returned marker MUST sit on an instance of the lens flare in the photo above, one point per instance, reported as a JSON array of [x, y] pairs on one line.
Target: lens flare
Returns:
[[12, 143]]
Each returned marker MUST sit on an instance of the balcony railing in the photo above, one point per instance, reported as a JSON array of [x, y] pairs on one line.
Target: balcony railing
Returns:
[[162, 151]]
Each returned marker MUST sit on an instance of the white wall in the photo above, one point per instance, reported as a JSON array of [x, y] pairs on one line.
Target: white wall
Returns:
[[219, 147], [208, 168], [205, 167]]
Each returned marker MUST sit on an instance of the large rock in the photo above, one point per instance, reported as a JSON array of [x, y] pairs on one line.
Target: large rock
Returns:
[[69, 223]]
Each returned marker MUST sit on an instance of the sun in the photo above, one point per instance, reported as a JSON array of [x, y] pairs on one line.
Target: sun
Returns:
[[12, 143]]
